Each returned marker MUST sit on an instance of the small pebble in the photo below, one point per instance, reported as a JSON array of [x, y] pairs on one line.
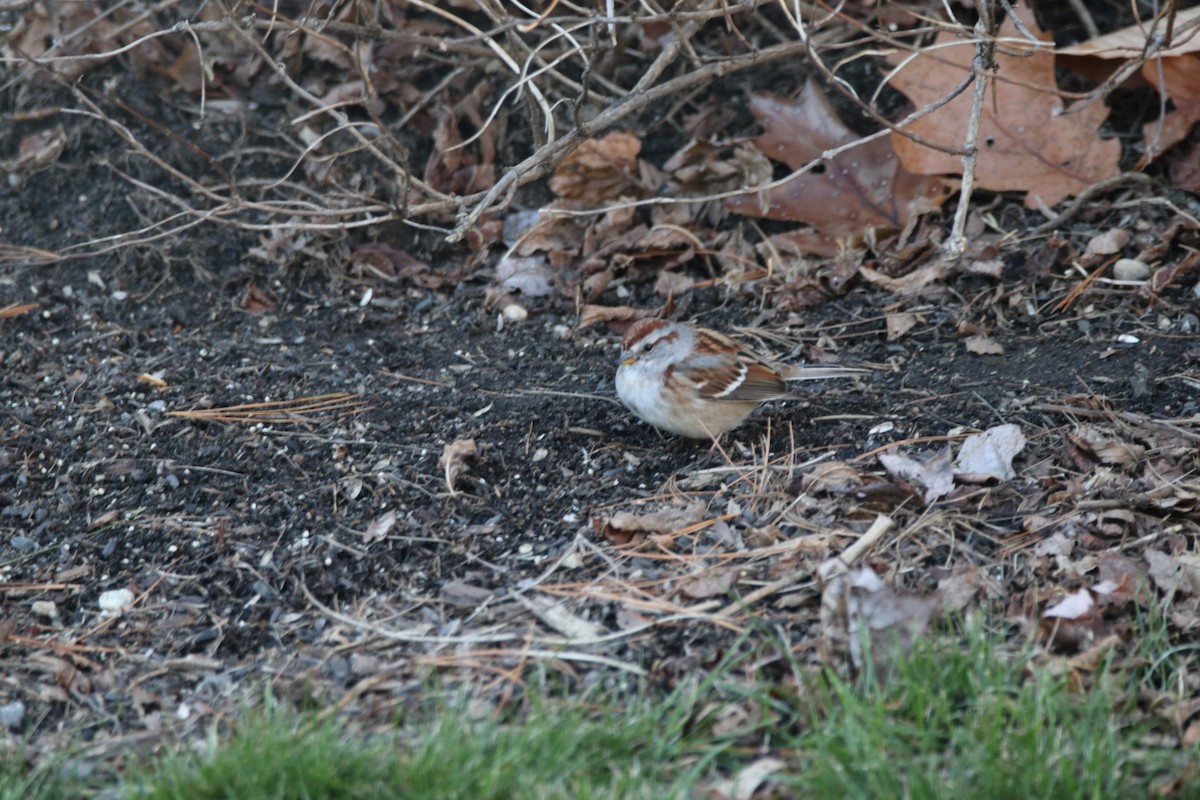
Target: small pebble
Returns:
[[1130, 269], [12, 714], [115, 600], [44, 608], [540, 454], [515, 312], [22, 544]]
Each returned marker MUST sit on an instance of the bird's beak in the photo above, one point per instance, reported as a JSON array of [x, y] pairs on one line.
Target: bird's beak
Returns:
[[627, 360]]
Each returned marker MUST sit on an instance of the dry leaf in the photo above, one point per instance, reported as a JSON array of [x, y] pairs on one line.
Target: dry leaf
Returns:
[[1102, 448], [454, 460], [1073, 623], [864, 187], [910, 283], [624, 526], [934, 475], [37, 151], [529, 275], [256, 301], [1026, 141], [1130, 41], [858, 604], [983, 345], [617, 315], [899, 324], [958, 590], [710, 584], [1173, 574], [989, 454], [378, 530], [746, 783], [599, 171], [1107, 243], [836, 477], [1059, 544], [671, 283], [1172, 72]]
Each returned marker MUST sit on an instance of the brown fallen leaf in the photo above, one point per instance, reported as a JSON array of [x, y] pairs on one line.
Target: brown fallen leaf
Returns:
[[911, 283], [623, 527], [37, 151], [617, 316], [982, 345], [256, 301], [1174, 273], [746, 783], [381, 261], [858, 609], [934, 474], [862, 188], [599, 171], [378, 530], [1106, 244], [835, 477], [1026, 141], [1172, 574], [454, 460], [1172, 71], [1130, 41], [1098, 446], [899, 324], [454, 166], [710, 584]]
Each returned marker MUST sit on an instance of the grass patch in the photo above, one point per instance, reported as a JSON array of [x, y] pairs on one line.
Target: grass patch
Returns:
[[45, 781], [556, 749], [957, 718], [961, 720], [273, 753]]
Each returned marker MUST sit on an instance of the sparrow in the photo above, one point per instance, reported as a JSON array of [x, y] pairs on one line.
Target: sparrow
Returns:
[[696, 382]]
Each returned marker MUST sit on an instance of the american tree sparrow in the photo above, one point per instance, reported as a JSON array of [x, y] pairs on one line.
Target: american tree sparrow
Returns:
[[696, 382]]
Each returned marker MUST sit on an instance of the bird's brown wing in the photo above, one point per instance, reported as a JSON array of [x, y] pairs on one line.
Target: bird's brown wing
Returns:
[[743, 380]]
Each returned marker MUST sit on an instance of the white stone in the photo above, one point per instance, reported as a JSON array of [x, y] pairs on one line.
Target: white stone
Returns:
[[115, 600], [1130, 269]]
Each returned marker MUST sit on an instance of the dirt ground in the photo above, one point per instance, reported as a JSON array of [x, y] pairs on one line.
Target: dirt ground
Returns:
[[325, 553]]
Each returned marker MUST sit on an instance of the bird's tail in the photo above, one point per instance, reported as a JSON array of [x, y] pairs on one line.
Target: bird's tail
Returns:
[[810, 373]]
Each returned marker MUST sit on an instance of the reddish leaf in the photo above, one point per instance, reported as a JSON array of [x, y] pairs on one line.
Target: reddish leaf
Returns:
[[864, 187], [1026, 141]]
